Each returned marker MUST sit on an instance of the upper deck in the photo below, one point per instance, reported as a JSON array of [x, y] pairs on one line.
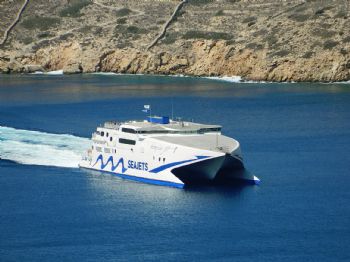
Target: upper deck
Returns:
[[173, 127]]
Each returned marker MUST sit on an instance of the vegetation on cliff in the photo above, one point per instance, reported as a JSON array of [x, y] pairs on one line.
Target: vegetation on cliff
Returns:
[[291, 40]]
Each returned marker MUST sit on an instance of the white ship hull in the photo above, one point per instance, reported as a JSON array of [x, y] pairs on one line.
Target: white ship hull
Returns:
[[163, 160]]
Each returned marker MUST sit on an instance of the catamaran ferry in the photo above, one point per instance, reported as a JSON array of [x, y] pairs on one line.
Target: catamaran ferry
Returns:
[[166, 152]]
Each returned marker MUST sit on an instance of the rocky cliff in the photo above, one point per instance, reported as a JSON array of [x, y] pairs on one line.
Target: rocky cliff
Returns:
[[285, 40]]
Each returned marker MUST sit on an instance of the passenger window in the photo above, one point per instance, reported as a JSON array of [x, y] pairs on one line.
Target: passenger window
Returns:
[[127, 141], [102, 133], [128, 130], [110, 139]]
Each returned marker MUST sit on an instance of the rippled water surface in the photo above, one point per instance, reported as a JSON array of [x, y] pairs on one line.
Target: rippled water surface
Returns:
[[294, 137]]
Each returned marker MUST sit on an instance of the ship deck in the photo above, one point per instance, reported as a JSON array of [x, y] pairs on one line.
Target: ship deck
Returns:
[[212, 142], [148, 127]]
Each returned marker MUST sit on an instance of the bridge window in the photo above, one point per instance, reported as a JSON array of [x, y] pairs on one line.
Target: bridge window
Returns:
[[127, 141], [206, 130], [102, 133], [128, 130]]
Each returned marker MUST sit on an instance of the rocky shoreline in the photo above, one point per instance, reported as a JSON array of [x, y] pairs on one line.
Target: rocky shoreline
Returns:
[[308, 43]]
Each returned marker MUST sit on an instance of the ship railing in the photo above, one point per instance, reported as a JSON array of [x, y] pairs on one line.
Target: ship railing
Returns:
[[99, 142], [112, 125], [87, 158]]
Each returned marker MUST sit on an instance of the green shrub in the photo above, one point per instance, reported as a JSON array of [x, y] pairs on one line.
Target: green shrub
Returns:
[[86, 29], [281, 53], [40, 44], [301, 9], [66, 36], [200, 2], [220, 13], [308, 54], [206, 35], [74, 8], [44, 35], [27, 40], [319, 12], [347, 66], [329, 44], [325, 25], [169, 38], [136, 30], [40, 22], [271, 40], [121, 20], [323, 33], [96, 30], [123, 12], [322, 10], [254, 46], [122, 45], [346, 39], [343, 51], [249, 19], [341, 14], [153, 28], [129, 30], [261, 32], [299, 17], [316, 44], [251, 23]]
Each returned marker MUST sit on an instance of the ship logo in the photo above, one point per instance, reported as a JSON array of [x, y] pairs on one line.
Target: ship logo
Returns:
[[110, 160]]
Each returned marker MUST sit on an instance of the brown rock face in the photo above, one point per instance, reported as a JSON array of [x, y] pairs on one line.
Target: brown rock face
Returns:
[[290, 40]]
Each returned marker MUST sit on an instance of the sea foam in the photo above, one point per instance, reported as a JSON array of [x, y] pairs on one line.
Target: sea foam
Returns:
[[40, 148], [232, 79]]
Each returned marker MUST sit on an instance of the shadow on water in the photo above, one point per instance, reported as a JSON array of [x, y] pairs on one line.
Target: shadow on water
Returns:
[[232, 188]]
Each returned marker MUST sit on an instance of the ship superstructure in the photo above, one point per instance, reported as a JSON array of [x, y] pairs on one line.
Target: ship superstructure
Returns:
[[166, 152]]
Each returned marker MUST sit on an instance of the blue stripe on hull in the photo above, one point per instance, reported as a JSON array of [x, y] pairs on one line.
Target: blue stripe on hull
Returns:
[[142, 179]]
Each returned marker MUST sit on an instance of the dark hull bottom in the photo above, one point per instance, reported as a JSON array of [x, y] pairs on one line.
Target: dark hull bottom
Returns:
[[223, 170]]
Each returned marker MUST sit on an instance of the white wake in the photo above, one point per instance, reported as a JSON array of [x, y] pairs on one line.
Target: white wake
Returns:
[[40, 148]]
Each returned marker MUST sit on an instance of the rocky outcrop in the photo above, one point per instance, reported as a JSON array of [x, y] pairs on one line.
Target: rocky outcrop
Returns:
[[304, 42]]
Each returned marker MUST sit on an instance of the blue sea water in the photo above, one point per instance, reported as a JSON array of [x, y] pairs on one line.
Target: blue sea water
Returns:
[[294, 137]]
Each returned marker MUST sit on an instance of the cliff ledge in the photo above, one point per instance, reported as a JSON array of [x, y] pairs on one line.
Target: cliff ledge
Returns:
[[291, 40]]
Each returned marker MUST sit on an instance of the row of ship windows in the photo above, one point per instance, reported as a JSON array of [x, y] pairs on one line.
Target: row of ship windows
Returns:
[[125, 130], [125, 141], [133, 131], [200, 131], [108, 151]]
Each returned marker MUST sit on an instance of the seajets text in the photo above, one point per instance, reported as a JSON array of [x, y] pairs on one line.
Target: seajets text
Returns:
[[137, 165]]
